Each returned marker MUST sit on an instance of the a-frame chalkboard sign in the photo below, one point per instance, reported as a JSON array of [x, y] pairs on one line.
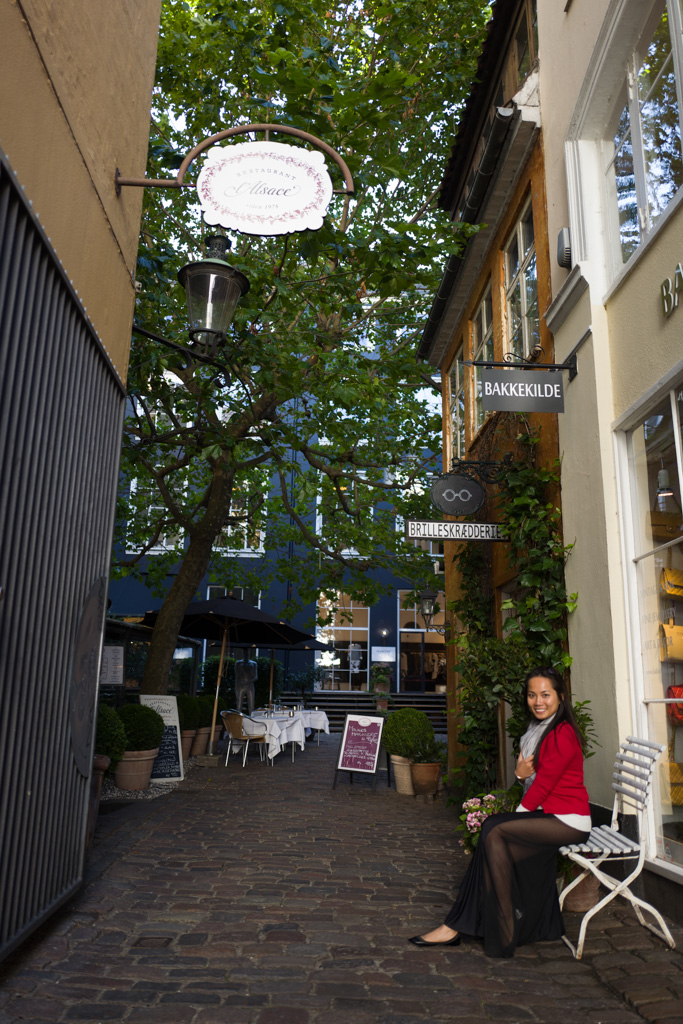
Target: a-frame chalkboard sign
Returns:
[[359, 750]]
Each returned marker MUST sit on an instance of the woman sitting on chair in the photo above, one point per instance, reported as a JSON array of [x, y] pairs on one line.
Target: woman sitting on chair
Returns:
[[509, 895]]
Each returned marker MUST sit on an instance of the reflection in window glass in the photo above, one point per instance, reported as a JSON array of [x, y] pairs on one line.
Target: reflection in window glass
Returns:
[[346, 666], [422, 654], [456, 399], [645, 165], [657, 491], [482, 347], [660, 591], [521, 287]]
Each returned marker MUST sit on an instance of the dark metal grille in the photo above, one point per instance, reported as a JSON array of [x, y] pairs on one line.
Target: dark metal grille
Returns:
[[61, 408]]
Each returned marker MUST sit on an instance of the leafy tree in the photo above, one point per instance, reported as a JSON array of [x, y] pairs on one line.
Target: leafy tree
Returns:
[[316, 402]]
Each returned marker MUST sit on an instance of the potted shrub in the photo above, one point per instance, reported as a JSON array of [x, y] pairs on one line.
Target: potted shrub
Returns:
[[427, 761], [188, 716], [110, 745], [205, 714], [144, 729], [403, 731], [380, 685]]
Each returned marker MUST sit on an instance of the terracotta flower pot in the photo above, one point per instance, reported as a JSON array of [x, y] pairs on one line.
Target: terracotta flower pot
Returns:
[[425, 778], [186, 739], [134, 769], [200, 741], [404, 783]]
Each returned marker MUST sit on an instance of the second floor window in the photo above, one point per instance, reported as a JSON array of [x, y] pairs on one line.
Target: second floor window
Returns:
[[456, 404], [644, 162], [482, 348], [521, 288]]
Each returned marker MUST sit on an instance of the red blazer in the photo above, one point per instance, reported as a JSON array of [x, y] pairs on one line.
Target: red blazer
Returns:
[[558, 787]]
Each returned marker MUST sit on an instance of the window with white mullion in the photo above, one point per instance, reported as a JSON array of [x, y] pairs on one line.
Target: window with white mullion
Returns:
[[456, 403], [644, 165], [482, 348], [521, 287]]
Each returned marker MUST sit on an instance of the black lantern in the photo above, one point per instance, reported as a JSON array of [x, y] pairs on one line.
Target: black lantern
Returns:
[[213, 289], [428, 598]]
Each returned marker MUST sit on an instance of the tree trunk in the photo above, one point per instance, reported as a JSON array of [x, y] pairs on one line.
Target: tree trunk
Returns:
[[184, 587]]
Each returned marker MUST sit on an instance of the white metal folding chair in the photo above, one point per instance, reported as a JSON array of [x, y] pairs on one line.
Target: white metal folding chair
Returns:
[[632, 786], [239, 738]]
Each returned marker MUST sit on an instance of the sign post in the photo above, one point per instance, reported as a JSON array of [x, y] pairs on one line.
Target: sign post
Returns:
[[360, 746]]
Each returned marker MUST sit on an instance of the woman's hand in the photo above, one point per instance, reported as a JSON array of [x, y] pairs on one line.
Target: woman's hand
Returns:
[[524, 768]]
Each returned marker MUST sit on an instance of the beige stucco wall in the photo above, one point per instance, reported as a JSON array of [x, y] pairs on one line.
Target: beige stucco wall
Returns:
[[598, 639], [567, 39], [645, 343], [76, 80]]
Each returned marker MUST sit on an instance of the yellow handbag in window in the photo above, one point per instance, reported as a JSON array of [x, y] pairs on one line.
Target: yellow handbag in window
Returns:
[[671, 582], [670, 641], [675, 770]]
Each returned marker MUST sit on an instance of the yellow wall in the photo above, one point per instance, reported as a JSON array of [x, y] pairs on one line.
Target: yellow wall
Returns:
[[76, 79]]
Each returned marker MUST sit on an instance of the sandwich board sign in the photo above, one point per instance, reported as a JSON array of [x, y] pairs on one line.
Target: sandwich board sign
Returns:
[[360, 747], [168, 764]]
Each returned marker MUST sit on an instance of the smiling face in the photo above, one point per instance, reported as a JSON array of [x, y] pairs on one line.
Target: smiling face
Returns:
[[543, 699]]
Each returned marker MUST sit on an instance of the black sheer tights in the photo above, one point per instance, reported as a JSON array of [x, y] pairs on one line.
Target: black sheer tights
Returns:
[[508, 895]]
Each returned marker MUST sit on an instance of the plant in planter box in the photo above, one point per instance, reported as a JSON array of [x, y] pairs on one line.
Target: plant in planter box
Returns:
[[144, 729], [110, 735], [403, 731], [380, 685], [428, 760]]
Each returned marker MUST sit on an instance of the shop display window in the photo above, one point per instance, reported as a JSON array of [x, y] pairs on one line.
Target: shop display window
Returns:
[[346, 666], [655, 461], [422, 652]]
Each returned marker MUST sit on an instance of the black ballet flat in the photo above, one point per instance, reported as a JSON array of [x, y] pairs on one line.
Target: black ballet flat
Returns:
[[417, 940]]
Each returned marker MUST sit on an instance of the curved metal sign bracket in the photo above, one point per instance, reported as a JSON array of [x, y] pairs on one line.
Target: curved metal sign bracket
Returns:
[[282, 129]]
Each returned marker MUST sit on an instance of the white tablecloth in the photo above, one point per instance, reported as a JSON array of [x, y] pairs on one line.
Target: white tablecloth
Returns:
[[279, 730], [317, 720]]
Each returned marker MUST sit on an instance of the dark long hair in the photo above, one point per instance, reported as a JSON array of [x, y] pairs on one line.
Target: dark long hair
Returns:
[[564, 712]]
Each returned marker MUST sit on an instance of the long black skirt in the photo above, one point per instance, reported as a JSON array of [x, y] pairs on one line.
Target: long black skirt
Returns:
[[508, 896]]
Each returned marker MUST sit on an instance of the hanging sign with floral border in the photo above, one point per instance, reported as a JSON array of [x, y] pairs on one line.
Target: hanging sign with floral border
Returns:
[[264, 188]]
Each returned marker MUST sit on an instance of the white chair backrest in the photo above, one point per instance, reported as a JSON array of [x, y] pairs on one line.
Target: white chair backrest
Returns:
[[633, 771]]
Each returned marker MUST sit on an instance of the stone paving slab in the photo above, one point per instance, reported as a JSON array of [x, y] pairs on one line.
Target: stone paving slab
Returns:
[[263, 896]]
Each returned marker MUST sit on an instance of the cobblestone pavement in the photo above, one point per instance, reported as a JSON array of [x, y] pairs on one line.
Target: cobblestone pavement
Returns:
[[262, 896]]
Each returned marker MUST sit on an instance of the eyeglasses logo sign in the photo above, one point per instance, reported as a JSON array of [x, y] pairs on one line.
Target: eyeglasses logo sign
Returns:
[[455, 494]]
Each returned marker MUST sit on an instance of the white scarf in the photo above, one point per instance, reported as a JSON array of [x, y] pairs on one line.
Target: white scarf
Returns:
[[529, 741]]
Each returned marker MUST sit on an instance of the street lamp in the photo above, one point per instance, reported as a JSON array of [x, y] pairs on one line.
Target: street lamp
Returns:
[[427, 598], [213, 289]]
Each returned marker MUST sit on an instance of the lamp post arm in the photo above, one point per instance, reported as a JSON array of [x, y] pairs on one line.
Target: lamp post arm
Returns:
[[227, 133]]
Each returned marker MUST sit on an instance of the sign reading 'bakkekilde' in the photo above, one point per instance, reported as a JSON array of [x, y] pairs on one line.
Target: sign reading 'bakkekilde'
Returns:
[[423, 529], [521, 390]]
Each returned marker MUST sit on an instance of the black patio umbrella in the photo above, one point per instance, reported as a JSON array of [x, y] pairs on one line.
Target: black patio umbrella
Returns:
[[233, 622]]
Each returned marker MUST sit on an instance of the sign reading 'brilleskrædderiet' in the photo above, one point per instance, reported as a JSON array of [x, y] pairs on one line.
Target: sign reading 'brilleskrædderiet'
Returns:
[[424, 529], [521, 390]]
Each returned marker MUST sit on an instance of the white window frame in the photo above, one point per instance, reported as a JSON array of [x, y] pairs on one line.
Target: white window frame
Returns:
[[519, 277], [631, 556], [482, 349], [246, 549], [594, 234], [163, 544], [456, 405]]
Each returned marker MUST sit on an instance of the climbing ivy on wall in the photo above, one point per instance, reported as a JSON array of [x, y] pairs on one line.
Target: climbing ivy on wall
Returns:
[[491, 668]]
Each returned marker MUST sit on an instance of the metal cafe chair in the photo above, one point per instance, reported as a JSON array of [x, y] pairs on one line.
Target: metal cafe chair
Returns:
[[239, 738], [632, 785]]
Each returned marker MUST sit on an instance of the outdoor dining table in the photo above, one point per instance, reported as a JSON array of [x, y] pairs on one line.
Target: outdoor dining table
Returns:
[[314, 719], [280, 729]]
